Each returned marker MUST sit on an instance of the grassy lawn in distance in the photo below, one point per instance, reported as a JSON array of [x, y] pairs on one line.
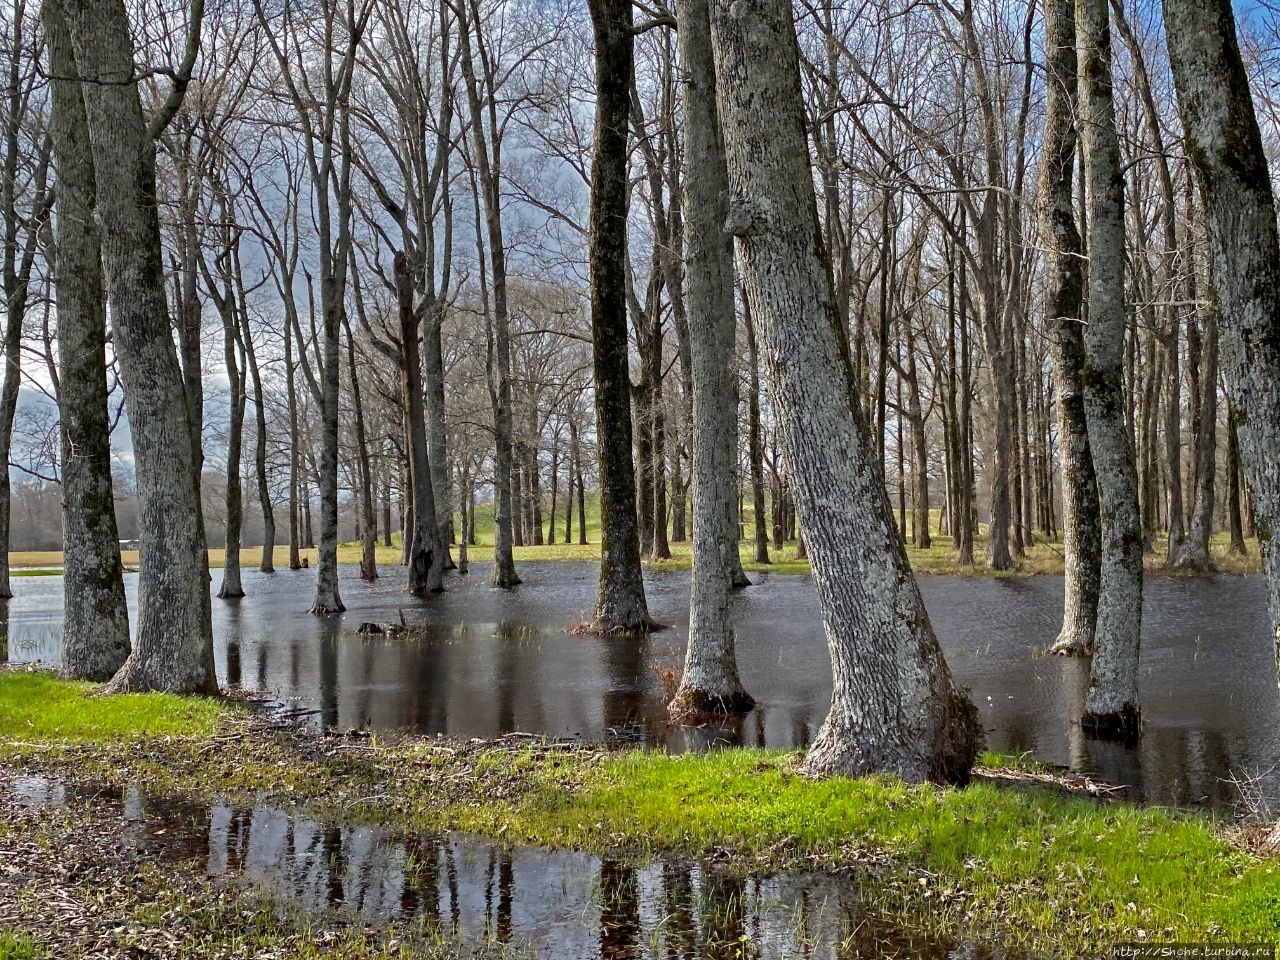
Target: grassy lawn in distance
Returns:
[[1045, 557]]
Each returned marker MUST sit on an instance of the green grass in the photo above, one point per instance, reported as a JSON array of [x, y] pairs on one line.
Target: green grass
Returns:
[[38, 706], [1043, 557], [1019, 861], [1050, 864], [14, 946]]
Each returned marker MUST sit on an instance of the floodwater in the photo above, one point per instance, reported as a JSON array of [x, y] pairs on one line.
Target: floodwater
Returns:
[[493, 662], [541, 903]]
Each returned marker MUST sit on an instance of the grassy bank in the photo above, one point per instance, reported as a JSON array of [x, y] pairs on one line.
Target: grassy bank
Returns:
[[1028, 864]]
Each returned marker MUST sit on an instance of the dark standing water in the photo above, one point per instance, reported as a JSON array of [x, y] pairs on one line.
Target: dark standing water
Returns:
[[495, 662], [545, 903]]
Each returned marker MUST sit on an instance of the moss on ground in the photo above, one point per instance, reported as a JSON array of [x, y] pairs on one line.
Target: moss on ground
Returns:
[[1027, 864]]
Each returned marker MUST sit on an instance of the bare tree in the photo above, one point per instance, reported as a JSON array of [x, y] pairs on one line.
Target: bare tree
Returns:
[[95, 627], [1112, 704], [1225, 145], [1064, 271], [894, 708], [710, 680], [174, 646]]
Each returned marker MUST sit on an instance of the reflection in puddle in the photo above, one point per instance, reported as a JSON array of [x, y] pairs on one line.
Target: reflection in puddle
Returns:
[[548, 903], [489, 662]]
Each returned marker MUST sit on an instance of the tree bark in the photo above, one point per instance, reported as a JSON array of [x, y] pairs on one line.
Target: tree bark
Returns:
[[426, 564], [710, 681], [489, 172], [1064, 270], [1225, 147], [1235, 483], [620, 605], [95, 629], [291, 395], [755, 440], [1112, 703], [231, 587], [174, 646], [364, 471], [267, 564], [920, 452], [1195, 551], [894, 706], [21, 234]]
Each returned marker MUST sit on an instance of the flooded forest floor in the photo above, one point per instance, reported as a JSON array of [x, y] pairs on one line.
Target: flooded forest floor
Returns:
[[1023, 857]]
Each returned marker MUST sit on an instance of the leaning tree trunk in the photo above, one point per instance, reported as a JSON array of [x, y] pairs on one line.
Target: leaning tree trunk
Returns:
[[95, 629], [1225, 146], [710, 681], [425, 558], [174, 647], [1112, 704], [1195, 551], [620, 606], [894, 707], [1064, 270]]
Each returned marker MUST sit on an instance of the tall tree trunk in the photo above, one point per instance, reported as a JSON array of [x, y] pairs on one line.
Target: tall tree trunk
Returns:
[[174, 646], [21, 233], [268, 562], [1225, 147], [364, 472], [620, 606], [710, 681], [489, 174], [1064, 270], [894, 707], [437, 434], [1195, 552], [569, 485], [291, 395], [1235, 519], [920, 452], [95, 628], [231, 587], [755, 440], [1112, 703], [425, 561], [582, 487], [328, 598]]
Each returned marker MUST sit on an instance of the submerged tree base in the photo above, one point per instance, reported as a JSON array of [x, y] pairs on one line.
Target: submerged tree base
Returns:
[[690, 703], [1125, 724], [603, 628], [1073, 643], [322, 610]]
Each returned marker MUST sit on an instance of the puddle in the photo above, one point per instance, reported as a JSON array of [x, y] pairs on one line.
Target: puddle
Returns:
[[543, 903]]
